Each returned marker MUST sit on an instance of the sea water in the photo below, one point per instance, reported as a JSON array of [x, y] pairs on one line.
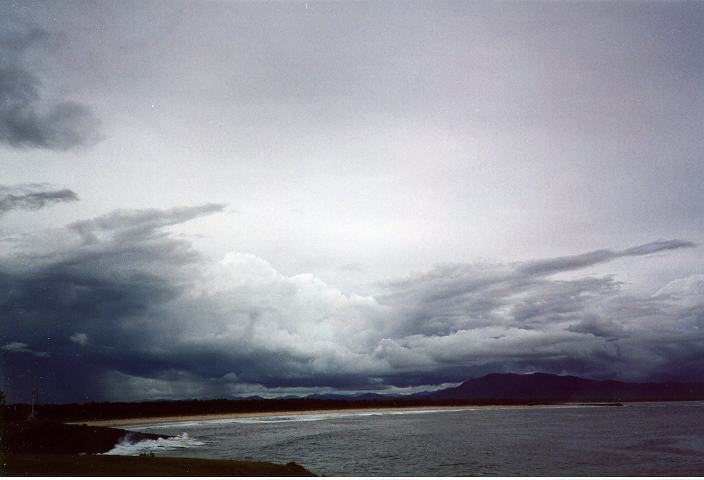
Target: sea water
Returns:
[[631, 440]]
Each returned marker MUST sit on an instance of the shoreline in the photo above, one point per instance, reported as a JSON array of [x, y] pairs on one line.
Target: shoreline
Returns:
[[50, 448], [116, 422], [124, 422]]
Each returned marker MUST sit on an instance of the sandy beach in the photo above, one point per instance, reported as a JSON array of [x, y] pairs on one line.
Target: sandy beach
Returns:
[[224, 416]]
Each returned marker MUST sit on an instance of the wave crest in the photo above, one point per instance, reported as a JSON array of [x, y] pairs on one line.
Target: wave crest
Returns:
[[126, 447]]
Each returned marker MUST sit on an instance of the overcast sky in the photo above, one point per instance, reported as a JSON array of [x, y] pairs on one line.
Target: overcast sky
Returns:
[[208, 199]]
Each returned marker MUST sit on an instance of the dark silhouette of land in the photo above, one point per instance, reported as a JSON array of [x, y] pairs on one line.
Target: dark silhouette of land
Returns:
[[493, 389], [42, 436], [47, 448], [179, 408]]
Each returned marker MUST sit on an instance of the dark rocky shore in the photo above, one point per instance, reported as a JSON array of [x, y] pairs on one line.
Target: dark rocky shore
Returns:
[[40, 436], [48, 448]]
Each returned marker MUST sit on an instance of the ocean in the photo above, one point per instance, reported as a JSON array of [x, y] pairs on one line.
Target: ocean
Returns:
[[663, 439]]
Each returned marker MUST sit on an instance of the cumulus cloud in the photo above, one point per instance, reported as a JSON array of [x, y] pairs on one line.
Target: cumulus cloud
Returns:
[[128, 310], [32, 197], [26, 120], [688, 290]]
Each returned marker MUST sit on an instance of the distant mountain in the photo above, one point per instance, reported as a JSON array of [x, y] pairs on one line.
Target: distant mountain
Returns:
[[539, 387]]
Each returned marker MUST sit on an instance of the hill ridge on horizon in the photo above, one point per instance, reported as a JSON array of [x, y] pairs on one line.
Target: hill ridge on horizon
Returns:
[[497, 386], [542, 386]]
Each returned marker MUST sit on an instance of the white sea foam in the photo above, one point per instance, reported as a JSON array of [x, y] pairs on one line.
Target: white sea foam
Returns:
[[127, 447]]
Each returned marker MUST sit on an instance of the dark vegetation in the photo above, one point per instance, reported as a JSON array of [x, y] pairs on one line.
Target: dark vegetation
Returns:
[[47, 448], [118, 410], [41, 436]]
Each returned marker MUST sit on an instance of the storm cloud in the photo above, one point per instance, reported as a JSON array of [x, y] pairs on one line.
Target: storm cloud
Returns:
[[26, 120], [126, 309], [426, 191], [32, 197]]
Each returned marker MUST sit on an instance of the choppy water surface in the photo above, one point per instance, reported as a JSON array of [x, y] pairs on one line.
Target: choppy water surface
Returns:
[[633, 440]]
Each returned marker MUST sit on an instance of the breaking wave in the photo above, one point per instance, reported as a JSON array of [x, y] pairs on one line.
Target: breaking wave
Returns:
[[126, 447]]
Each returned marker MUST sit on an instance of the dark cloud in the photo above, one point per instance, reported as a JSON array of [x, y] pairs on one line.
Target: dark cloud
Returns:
[[136, 224], [88, 299], [563, 264], [32, 197], [656, 247], [26, 121], [486, 318], [127, 310], [593, 325]]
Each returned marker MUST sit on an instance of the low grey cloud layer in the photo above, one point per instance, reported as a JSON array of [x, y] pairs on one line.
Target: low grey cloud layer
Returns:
[[123, 309], [26, 121], [32, 197]]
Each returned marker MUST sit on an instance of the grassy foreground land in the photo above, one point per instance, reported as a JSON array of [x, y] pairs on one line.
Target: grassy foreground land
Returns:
[[118, 466]]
